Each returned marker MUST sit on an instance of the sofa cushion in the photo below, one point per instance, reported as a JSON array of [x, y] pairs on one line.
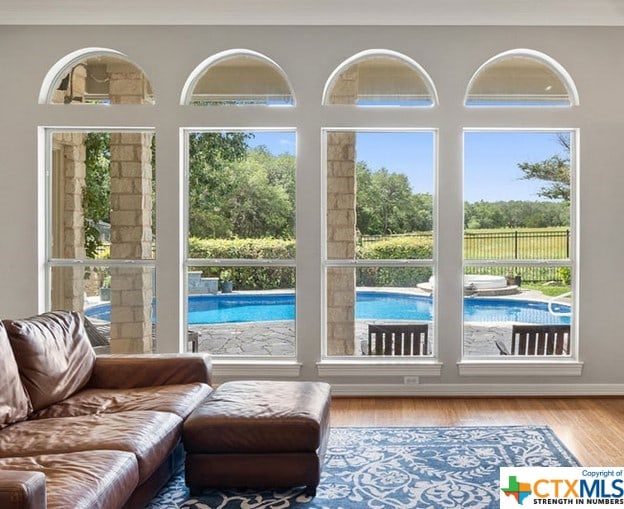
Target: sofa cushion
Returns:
[[177, 399], [14, 402], [150, 436], [103, 479], [53, 353]]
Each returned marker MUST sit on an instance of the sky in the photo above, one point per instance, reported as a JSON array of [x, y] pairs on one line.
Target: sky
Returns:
[[491, 159]]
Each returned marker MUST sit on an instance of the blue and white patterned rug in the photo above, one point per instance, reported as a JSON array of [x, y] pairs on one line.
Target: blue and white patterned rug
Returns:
[[391, 468]]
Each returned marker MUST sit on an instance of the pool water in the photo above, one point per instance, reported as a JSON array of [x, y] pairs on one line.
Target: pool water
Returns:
[[230, 308]]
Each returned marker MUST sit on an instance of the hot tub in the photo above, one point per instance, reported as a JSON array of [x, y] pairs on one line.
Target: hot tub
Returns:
[[480, 281]]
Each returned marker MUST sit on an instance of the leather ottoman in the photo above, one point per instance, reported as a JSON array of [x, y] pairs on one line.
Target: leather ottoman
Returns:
[[258, 434]]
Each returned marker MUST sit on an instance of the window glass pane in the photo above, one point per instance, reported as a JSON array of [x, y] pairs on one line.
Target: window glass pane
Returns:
[[517, 209], [242, 79], [379, 195], [117, 301], [243, 311], [518, 81], [394, 302], [103, 195], [242, 195], [103, 79], [533, 295], [380, 81]]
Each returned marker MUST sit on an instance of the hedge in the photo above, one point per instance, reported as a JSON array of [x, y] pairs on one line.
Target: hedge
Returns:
[[267, 278], [247, 278], [400, 248]]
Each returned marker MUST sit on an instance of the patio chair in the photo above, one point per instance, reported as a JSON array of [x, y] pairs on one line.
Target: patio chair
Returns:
[[537, 340], [99, 335], [401, 339]]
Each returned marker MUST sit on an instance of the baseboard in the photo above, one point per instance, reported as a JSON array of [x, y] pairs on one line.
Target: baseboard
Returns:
[[459, 390]]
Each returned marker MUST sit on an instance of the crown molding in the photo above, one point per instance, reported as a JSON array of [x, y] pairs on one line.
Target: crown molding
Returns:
[[314, 12]]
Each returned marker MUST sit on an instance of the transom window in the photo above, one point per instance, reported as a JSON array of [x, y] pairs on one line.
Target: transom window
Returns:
[[238, 77], [521, 78], [96, 76], [380, 78]]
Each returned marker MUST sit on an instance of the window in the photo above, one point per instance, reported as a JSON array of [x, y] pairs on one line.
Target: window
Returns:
[[521, 78], [238, 77], [380, 78], [101, 240], [241, 242], [379, 238], [96, 76], [518, 238]]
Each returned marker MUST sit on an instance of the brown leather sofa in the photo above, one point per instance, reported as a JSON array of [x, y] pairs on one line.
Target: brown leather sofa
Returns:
[[80, 431]]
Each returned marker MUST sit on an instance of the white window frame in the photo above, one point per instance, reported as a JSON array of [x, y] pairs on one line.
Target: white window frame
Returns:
[[530, 366], [377, 365], [235, 365], [46, 134]]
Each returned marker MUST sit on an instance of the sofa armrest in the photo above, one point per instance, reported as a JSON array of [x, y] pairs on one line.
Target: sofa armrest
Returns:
[[22, 489], [148, 370]]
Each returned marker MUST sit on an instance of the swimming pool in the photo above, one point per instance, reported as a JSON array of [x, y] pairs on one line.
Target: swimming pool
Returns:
[[240, 307]]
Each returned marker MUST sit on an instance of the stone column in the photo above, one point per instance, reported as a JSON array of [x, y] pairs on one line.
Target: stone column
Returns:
[[131, 221], [68, 182], [341, 225]]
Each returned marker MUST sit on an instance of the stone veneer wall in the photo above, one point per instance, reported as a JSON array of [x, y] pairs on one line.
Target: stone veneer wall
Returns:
[[131, 221], [68, 233], [68, 179], [341, 224]]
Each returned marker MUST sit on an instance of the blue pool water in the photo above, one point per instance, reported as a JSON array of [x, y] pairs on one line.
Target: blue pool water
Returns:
[[207, 309]]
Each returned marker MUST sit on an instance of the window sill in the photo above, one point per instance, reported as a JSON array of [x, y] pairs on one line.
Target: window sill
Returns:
[[520, 368], [347, 367], [251, 368]]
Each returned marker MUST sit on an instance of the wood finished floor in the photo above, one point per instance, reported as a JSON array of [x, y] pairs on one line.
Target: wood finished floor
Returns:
[[591, 428]]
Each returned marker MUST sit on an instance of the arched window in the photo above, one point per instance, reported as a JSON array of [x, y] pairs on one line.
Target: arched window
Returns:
[[238, 77], [380, 78], [521, 78], [96, 76]]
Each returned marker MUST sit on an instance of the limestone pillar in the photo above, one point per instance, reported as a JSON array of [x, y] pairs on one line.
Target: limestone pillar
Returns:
[[341, 225], [131, 221], [68, 182]]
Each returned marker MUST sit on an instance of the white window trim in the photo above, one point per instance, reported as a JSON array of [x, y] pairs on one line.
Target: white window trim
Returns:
[[355, 365], [228, 365], [562, 366], [515, 367]]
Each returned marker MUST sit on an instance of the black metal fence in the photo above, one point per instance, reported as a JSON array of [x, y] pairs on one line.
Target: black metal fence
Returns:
[[508, 245], [517, 245]]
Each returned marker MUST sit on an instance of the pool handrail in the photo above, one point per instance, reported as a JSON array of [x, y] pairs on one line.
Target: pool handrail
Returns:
[[552, 300]]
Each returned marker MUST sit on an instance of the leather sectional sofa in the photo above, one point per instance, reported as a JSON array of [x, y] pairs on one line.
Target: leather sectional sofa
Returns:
[[80, 431]]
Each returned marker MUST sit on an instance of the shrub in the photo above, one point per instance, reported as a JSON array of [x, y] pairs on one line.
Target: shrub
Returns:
[[265, 278], [247, 278], [403, 248]]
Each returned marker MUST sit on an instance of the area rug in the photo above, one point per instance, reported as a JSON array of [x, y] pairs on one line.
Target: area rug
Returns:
[[391, 468]]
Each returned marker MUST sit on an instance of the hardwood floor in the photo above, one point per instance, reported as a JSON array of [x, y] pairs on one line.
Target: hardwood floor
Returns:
[[591, 428]]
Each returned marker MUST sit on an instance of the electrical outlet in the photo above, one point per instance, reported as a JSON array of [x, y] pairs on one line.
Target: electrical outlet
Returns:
[[410, 380]]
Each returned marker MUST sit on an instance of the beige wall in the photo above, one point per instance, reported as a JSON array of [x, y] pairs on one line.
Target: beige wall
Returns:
[[308, 55]]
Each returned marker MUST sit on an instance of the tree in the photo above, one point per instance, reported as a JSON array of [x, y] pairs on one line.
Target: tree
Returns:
[[385, 203], [260, 202], [211, 178], [96, 193], [555, 171]]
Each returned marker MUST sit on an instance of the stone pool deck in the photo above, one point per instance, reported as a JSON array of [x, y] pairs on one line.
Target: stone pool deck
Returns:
[[277, 339]]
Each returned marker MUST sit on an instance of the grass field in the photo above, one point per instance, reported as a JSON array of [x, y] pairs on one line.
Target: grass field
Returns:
[[520, 244]]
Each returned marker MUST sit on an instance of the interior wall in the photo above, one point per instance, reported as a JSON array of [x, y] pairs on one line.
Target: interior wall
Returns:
[[308, 55]]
